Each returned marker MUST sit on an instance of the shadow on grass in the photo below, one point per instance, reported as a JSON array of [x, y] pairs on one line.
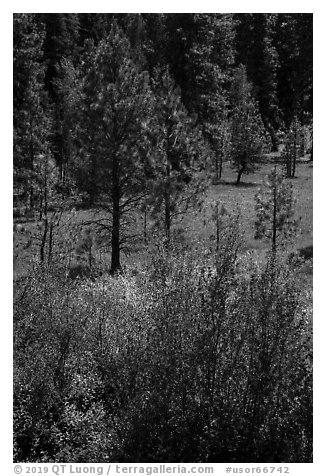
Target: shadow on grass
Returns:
[[306, 252], [237, 185]]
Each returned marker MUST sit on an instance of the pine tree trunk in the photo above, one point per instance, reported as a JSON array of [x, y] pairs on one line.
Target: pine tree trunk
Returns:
[[217, 246], [115, 238], [167, 204], [43, 241], [145, 224], [31, 164], [293, 165], [116, 215], [240, 172], [288, 165], [274, 221], [311, 150], [220, 165], [274, 139], [50, 242], [93, 183], [296, 146]]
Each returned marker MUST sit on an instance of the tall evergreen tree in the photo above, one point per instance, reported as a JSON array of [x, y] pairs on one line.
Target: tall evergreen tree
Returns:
[[294, 43], [155, 41], [248, 135], [60, 43], [293, 148], [210, 65], [32, 111], [275, 210], [255, 49], [115, 112], [201, 53], [94, 27], [68, 93], [175, 184]]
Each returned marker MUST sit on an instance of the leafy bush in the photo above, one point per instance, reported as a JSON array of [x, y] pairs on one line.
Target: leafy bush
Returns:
[[199, 357]]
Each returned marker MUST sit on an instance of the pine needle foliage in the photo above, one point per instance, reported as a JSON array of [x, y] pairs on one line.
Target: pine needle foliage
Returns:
[[112, 133], [175, 185], [275, 208], [249, 139], [293, 148]]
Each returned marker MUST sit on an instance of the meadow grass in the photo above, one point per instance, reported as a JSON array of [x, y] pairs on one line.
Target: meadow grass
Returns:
[[242, 198], [196, 227]]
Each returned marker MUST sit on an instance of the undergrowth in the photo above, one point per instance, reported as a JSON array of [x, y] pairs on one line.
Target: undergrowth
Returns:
[[197, 357]]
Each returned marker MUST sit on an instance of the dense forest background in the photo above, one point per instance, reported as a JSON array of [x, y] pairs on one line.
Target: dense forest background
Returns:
[[162, 171], [201, 76]]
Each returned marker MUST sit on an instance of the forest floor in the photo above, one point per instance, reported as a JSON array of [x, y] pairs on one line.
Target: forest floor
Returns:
[[195, 227]]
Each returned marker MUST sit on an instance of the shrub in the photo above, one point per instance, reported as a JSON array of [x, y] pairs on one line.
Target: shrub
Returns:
[[196, 358]]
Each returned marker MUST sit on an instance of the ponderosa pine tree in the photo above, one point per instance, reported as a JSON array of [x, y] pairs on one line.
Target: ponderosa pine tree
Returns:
[[293, 147], [94, 27], [114, 116], [68, 93], [210, 58], [179, 155], [32, 113], [255, 48], [275, 210], [154, 44], [294, 44], [248, 137], [60, 44]]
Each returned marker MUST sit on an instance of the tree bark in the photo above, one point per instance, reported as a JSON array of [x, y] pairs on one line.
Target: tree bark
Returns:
[[240, 172], [167, 203], [116, 215], [288, 165], [31, 164], [50, 242], [145, 223], [274, 221], [43, 242], [220, 165], [293, 165], [274, 139]]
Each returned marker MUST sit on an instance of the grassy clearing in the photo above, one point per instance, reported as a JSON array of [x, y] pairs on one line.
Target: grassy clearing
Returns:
[[196, 227], [243, 198]]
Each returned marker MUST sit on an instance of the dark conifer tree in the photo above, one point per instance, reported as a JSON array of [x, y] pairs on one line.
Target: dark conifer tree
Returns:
[[294, 43], [32, 110], [275, 210], [179, 154], [60, 44], [115, 111], [94, 26], [255, 49], [248, 137]]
